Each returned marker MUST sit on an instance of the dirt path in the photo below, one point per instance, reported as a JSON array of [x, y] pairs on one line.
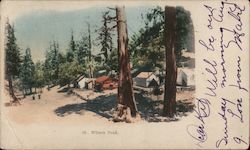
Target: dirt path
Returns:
[[43, 110]]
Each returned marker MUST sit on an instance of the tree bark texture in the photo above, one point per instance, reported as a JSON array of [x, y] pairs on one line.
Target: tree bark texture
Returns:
[[171, 71], [11, 90], [125, 86], [90, 54]]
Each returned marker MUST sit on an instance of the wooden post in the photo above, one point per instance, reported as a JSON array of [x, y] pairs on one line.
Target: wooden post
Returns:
[[171, 71], [125, 87]]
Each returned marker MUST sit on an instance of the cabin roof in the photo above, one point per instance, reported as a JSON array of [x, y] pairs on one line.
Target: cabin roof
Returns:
[[102, 79]]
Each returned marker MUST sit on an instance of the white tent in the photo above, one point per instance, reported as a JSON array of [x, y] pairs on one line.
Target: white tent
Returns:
[[86, 83], [185, 77], [143, 79]]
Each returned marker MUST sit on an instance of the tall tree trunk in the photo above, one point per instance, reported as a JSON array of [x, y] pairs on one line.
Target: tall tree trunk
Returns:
[[171, 71], [11, 90], [90, 59], [126, 100]]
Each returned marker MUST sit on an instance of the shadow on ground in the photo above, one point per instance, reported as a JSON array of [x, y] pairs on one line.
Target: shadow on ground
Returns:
[[101, 105], [149, 109]]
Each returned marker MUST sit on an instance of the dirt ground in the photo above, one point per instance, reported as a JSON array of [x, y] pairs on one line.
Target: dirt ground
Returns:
[[54, 106], [71, 117]]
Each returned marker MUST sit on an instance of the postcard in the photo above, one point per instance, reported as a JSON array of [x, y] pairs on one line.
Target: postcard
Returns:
[[112, 74]]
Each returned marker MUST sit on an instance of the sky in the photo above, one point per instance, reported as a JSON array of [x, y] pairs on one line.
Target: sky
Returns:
[[37, 23], [37, 28]]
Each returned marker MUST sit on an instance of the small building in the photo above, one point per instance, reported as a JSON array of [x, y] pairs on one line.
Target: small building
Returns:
[[105, 83], [144, 79], [185, 77], [89, 84], [86, 83], [80, 81], [190, 62]]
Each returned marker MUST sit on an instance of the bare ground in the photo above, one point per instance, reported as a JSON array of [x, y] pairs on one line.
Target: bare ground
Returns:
[[58, 106], [62, 121]]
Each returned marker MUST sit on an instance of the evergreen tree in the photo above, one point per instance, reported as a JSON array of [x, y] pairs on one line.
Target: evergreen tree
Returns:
[[184, 32], [126, 107], [68, 72], [55, 61], [105, 38], [171, 70], [27, 71], [82, 51], [48, 68], [71, 54], [12, 58], [113, 59], [51, 64], [91, 63], [39, 79], [61, 58], [148, 45]]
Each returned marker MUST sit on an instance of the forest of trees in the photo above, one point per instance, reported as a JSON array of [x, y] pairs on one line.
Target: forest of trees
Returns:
[[144, 49], [147, 46]]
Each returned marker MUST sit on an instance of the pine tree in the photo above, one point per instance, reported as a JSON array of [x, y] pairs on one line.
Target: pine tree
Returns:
[[38, 79], [90, 63], [48, 68], [27, 71], [148, 44], [126, 107], [61, 58], [171, 70], [83, 51], [71, 54], [55, 61], [51, 64], [105, 38], [12, 58], [113, 59]]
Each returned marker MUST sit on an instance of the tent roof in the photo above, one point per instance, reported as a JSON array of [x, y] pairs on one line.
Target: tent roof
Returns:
[[144, 74], [187, 71]]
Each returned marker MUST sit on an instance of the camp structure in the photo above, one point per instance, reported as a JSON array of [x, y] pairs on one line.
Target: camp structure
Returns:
[[146, 79], [105, 83], [185, 77], [86, 83], [190, 59]]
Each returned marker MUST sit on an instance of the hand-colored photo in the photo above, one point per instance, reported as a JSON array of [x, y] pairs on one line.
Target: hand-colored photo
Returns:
[[116, 64], [124, 75]]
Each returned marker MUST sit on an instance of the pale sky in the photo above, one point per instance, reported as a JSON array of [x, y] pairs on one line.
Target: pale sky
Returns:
[[39, 22], [36, 29]]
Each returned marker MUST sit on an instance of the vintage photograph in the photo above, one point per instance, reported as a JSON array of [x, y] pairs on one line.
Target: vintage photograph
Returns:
[[103, 63], [84, 71]]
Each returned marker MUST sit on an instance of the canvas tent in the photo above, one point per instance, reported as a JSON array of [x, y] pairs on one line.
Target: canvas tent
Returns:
[[86, 83], [185, 77], [144, 79]]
